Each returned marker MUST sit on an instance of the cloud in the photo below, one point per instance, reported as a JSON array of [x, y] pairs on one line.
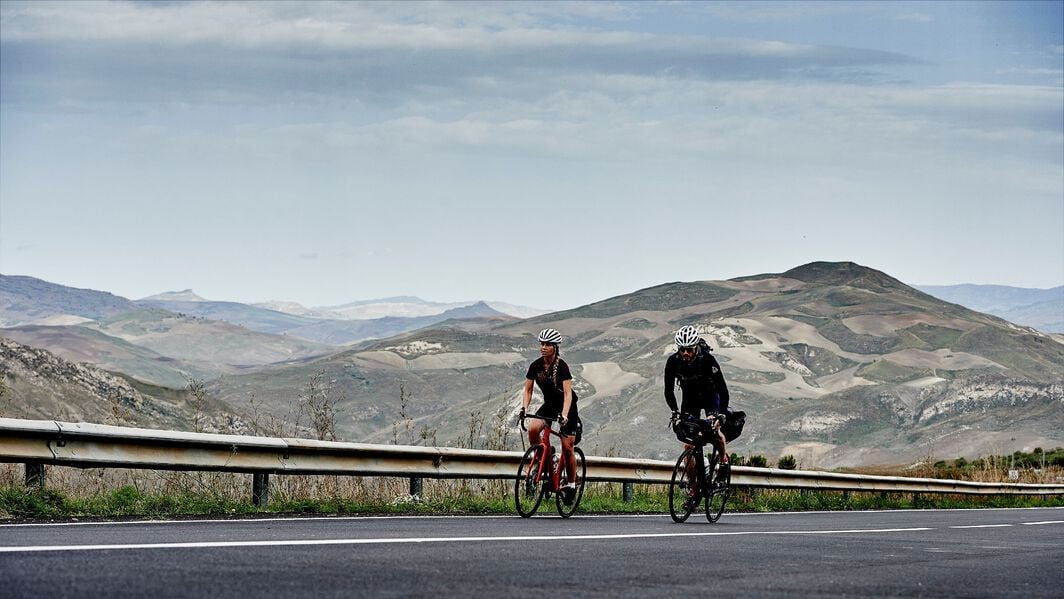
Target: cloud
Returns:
[[368, 54], [784, 11]]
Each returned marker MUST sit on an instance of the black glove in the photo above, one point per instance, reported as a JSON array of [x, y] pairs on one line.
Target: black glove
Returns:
[[521, 414], [563, 420], [675, 416]]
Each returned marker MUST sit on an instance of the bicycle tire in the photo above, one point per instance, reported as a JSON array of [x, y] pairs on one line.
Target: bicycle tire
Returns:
[[681, 503], [528, 487], [566, 509], [719, 490]]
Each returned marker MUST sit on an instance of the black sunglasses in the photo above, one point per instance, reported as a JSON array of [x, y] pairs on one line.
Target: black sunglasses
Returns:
[[687, 350]]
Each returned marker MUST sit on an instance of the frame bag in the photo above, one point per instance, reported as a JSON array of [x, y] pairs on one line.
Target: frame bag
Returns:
[[733, 426]]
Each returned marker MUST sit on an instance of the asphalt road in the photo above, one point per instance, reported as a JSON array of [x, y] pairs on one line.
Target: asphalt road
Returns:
[[925, 553]]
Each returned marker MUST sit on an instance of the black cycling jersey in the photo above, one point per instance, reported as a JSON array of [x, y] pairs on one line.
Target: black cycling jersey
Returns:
[[701, 381], [550, 384]]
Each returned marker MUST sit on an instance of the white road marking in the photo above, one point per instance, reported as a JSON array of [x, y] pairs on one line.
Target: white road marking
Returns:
[[984, 526], [581, 516], [1044, 522], [398, 540]]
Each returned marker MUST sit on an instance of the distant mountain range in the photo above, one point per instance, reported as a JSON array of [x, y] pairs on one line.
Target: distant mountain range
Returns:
[[29, 301], [400, 306], [835, 363], [1042, 309]]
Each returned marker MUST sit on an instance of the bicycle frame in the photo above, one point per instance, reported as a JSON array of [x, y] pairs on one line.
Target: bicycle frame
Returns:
[[694, 482], [536, 480], [554, 478]]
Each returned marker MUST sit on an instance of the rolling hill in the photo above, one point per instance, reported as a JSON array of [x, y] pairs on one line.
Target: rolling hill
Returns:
[[835, 363]]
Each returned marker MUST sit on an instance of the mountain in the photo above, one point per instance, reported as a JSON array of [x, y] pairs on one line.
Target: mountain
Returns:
[[26, 300], [38, 385], [254, 318], [345, 332], [836, 364], [85, 345], [329, 331], [515, 310], [29, 301], [393, 307], [1042, 309], [174, 296], [195, 339]]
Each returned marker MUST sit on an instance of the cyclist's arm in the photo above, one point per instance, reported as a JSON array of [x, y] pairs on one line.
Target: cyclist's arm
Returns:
[[526, 396], [567, 401], [717, 376], [670, 383]]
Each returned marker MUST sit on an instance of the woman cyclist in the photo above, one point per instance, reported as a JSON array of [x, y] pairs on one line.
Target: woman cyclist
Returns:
[[552, 375], [700, 379]]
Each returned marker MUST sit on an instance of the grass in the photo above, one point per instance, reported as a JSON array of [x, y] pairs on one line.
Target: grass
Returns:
[[228, 495]]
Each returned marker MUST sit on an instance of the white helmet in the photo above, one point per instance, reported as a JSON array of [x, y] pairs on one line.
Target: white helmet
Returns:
[[687, 336], [550, 336]]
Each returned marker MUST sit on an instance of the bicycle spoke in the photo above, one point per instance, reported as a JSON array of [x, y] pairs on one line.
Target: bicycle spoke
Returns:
[[720, 489], [684, 494], [568, 500], [528, 489]]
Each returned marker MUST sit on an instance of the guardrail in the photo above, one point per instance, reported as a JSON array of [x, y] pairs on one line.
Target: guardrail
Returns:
[[45, 442]]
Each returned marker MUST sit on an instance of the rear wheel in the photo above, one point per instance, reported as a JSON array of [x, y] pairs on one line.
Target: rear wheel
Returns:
[[528, 488], [719, 488], [569, 499], [684, 494]]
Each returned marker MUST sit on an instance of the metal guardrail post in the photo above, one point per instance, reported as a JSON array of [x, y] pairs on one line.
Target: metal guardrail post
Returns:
[[415, 487], [627, 492], [260, 489], [35, 475]]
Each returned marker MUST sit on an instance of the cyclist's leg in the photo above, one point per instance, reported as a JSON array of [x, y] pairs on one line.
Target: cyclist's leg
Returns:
[[569, 437], [720, 442], [568, 456], [692, 478], [722, 449], [534, 425]]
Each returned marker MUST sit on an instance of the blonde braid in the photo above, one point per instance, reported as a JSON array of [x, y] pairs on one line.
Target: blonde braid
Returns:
[[554, 370]]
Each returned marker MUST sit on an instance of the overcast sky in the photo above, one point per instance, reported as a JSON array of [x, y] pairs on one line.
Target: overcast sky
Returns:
[[544, 154]]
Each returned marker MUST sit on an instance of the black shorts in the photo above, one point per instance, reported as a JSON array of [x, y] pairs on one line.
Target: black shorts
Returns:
[[572, 426]]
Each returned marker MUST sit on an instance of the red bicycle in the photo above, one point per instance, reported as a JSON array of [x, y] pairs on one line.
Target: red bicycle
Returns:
[[541, 473]]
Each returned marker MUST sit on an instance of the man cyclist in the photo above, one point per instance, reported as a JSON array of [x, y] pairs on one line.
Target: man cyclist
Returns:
[[700, 379], [555, 381]]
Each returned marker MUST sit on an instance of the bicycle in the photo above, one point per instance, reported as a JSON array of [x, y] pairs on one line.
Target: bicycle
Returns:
[[540, 474], [712, 483]]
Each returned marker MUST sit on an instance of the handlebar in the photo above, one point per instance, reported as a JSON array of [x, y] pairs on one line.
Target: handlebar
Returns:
[[685, 417]]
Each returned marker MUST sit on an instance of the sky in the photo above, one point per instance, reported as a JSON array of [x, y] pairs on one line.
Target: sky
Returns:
[[544, 154]]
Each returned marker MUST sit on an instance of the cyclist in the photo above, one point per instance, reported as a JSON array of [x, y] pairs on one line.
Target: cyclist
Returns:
[[700, 379], [552, 375]]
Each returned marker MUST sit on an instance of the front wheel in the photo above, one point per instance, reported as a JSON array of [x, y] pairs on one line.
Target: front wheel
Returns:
[[569, 499], [719, 488], [684, 494], [528, 488]]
